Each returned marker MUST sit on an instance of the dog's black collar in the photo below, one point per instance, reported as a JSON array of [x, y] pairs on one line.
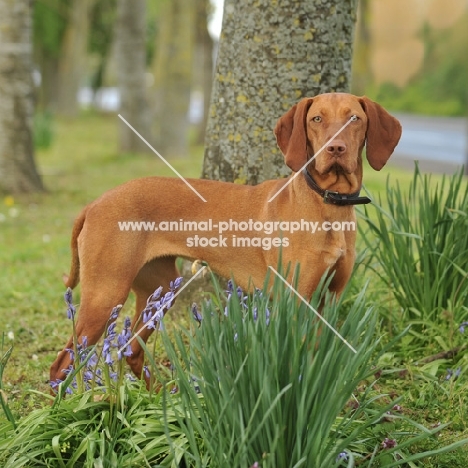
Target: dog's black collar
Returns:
[[335, 198]]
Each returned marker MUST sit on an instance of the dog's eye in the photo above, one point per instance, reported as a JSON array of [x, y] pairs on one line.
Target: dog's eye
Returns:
[[317, 118]]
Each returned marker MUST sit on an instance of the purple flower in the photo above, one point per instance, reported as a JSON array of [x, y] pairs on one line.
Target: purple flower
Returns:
[[71, 309], [151, 324], [108, 359], [115, 312], [196, 314], [167, 299], [174, 390], [389, 443], [451, 374], [342, 456], [147, 372], [111, 331], [55, 383], [462, 327], [154, 296], [71, 353], [173, 285]]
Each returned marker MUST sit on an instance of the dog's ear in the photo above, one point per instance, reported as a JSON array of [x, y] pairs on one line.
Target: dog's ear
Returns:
[[291, 134], [383, 133]]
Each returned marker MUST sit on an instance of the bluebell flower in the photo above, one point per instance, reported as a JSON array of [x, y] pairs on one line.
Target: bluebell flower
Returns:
[[108, 359], [173, 285], [71, 353], [342, 456], [147, 372], [451, 374], [115, 312], [174, 390], [71, 309], [151, 324], [154, 296], [462, 327], [111, 331], [54, 384], [167, 299], [196, 314], [68, 296]]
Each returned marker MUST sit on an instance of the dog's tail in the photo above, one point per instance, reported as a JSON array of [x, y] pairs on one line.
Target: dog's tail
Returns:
[[73, 278]]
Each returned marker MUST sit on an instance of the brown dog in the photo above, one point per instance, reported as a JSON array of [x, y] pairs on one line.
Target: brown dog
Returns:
[[110, 261]]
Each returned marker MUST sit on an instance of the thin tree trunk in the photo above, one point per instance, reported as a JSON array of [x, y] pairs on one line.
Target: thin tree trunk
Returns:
[[72, 59], [362, 73], [18, 173], [173, 76], [203, 62], [130, 36], [271, 55]]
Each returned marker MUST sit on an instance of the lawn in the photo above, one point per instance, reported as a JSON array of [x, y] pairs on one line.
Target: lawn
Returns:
[[35, 230]]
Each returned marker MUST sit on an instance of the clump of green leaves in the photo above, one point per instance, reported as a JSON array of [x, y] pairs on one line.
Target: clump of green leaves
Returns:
[[266, 383], [420, 244], [262, 381]]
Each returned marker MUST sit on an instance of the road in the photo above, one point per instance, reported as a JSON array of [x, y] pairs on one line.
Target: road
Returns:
[[440, 144]]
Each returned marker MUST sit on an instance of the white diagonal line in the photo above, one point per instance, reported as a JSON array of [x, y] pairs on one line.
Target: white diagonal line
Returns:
[[351, 119], [158, 154], [154, 315], [313, 310]]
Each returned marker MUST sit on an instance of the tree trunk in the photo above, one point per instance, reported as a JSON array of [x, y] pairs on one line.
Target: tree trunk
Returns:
[[130, 36], [18, 172], [173, 76], [362, 73], [203, 63], [72, 59], [271, 55]]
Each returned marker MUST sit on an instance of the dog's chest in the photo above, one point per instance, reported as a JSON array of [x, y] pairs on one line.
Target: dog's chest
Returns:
[[334, 249]]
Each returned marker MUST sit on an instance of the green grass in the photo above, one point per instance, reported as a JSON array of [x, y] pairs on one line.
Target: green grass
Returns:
[[35, 233], [82, 163]]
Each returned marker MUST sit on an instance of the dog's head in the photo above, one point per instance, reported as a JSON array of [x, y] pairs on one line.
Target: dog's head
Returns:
[[310, 125]]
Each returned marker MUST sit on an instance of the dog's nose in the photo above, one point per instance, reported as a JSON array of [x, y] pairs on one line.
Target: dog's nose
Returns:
[[336, 148]]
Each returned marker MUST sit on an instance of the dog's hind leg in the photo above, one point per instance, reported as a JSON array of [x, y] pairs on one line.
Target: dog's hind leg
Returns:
[[158, 272]]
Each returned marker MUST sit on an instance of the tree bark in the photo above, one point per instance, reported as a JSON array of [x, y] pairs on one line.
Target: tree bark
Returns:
[[203, 63], [72, 58], [173, 76], [362, 72], [271, 55], [18, 173], [130, 36]]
